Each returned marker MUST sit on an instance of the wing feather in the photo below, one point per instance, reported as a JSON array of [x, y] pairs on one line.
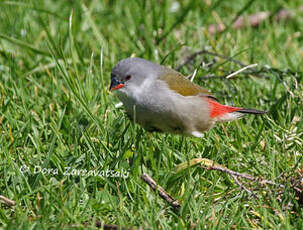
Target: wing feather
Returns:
[[178, 83]]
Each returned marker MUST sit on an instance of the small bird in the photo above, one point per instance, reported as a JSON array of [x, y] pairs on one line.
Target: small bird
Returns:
[[163, 100]]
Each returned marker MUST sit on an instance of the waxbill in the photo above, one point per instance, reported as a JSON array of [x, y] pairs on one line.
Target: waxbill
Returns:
[[164, 100]]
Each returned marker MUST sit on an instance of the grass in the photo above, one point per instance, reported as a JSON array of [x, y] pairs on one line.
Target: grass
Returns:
[[56, 112]]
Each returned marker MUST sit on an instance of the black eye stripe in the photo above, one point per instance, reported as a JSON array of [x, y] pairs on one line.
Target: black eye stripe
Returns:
[[128, 77]]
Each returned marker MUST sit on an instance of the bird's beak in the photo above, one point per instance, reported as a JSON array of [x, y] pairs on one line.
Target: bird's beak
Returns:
[[115, 84]]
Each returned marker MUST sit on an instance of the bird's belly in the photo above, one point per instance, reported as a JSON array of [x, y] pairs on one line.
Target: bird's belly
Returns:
[[155, 119], [183, 115], [153, 115]]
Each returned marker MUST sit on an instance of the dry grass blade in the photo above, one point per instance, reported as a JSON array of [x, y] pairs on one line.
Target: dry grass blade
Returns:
[[211, 165], [7, 201], [153, 184]]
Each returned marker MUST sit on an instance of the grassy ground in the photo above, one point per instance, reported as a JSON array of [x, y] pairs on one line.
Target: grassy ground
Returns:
[[56, 112]]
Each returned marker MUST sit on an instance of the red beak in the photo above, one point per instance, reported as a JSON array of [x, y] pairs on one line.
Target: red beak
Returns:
[[115, 84], [117, 87]]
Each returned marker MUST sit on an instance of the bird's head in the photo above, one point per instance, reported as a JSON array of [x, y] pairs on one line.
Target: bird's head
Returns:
[[131, 73]]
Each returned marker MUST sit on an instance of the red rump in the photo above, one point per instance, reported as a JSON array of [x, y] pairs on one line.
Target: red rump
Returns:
[[218, 110]]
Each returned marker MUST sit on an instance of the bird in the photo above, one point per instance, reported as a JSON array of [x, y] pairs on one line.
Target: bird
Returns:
[[161, 99]]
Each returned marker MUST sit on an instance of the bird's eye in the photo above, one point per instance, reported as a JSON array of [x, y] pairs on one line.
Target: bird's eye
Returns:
[[128, 77]]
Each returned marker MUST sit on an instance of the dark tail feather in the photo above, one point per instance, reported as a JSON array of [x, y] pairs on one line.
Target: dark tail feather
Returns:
[[251, 111]]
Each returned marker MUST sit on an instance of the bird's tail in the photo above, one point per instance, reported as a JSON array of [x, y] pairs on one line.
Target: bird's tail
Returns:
[[221, 113], [251, 111]]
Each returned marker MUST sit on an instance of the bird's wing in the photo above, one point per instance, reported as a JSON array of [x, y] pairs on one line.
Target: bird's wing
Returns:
[[178, 83]]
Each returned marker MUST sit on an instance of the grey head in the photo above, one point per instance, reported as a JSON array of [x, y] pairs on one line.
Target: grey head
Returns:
[[133, 71]]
